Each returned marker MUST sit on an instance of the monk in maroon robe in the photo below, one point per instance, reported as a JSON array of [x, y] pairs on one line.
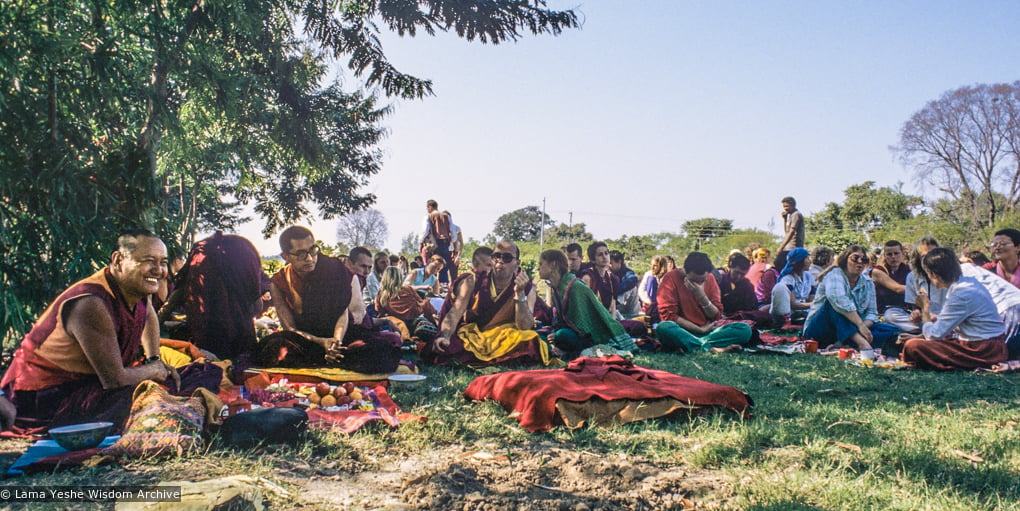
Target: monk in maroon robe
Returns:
[[95, 343], [319, 298]]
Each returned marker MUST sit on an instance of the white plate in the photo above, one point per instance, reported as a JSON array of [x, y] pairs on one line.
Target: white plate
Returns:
[[407, 378]]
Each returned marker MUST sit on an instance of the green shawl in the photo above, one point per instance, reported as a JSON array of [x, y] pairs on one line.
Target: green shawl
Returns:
[[580, 310]]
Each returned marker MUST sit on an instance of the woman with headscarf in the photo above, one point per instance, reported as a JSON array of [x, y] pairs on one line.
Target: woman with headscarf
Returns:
[[844, 310], [969, 333], [791, 296]]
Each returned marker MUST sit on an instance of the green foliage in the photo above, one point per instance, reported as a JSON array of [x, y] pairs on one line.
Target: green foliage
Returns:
[[949, 234], [564, 234], [706, 228], [523, 224], [171, 115], [836, 240], [865, 209]]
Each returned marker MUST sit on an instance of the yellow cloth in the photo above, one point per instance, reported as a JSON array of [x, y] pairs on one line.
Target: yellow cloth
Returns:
[[172, 357], [326, 373], [498, 341]]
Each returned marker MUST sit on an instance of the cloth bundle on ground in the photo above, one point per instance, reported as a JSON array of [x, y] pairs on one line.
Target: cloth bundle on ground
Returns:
[[164, 424], [269, 425], [605, 390], [290, 349]]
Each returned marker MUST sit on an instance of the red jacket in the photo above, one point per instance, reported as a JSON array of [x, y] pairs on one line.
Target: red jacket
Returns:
[[675, 300]]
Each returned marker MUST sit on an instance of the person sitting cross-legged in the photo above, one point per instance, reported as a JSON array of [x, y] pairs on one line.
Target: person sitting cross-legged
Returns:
[[318, 300], [968, 333], [398, 300], [791, 296], [488, 317], [690, 305], [581, 321], [844, 310], [94, 344]]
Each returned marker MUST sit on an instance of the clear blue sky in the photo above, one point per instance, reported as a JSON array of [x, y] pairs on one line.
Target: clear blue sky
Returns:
[[660, 111]]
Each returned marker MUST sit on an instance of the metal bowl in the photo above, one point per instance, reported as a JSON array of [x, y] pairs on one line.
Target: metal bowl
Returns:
[[81, 436], [406, 381]]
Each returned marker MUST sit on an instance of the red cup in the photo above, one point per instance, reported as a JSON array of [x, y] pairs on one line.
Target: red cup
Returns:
[[845, 353], [810, 346]]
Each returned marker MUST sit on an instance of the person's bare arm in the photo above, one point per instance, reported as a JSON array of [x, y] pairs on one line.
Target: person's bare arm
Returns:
[[286, 316], [883, 279], [88, 321], [524, 304], [454, 315]]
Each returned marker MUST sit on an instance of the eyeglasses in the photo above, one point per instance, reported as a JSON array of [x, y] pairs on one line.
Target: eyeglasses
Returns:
[[859, 259], [302, 254], [998, 244], [505, 256]]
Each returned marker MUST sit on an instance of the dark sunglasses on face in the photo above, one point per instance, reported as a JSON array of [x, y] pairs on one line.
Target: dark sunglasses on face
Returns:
[[504, 256], [859, 259], [301, 254]]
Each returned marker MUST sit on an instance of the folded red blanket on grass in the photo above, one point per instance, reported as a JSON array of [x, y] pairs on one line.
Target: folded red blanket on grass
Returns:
[[533, 394]]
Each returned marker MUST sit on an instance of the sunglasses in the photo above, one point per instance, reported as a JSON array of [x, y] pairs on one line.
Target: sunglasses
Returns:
[[301, 254], [859, 259], [999, 244], [504, 256]]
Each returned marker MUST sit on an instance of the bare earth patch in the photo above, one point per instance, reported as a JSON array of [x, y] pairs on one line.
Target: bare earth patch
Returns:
[[539, 477]]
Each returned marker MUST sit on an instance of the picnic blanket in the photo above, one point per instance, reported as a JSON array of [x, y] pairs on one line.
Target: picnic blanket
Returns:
[[349, 421], [534, 395], [346, 421]]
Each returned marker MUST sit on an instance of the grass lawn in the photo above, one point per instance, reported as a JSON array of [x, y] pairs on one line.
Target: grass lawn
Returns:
[[825, 435]]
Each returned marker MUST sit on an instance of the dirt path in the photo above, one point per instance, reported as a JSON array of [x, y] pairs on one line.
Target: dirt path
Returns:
[[539, 477]]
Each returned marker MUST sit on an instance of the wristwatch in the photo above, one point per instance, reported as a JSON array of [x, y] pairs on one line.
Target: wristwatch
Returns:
[[521, 299]]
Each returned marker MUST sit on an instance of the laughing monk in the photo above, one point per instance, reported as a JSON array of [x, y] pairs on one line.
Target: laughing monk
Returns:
[[489, 317], [95, 343]]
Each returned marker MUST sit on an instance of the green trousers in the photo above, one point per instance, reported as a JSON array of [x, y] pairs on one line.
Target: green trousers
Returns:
[[674, 338]]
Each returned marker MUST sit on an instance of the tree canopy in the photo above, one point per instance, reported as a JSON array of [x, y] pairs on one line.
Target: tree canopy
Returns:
[[364, 228], [525, 224], [966, 145], [172, 114], [865, 209]]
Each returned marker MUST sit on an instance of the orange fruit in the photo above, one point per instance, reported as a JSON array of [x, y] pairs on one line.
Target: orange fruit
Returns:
[[327, 401]]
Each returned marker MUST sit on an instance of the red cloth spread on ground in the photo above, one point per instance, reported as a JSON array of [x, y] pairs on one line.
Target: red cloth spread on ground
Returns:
[[352, 420], [347, 421], [533, 394]]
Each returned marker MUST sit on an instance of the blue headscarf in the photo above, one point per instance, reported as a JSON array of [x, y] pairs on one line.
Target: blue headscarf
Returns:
[[793, 259]]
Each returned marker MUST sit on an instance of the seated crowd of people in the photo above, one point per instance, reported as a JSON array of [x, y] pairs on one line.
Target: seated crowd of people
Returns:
[[102, 336]]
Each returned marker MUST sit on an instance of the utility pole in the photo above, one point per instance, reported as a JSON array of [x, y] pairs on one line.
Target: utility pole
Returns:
[[570, 226], [541, 227]]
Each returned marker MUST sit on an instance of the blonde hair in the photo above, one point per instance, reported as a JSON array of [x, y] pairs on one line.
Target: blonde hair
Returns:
[[762, 255], [659, 266], [390, 284]]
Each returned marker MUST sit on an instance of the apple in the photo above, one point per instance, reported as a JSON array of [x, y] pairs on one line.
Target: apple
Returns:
[[344, 400], [339, 391], [348, 387], [322, 389]]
